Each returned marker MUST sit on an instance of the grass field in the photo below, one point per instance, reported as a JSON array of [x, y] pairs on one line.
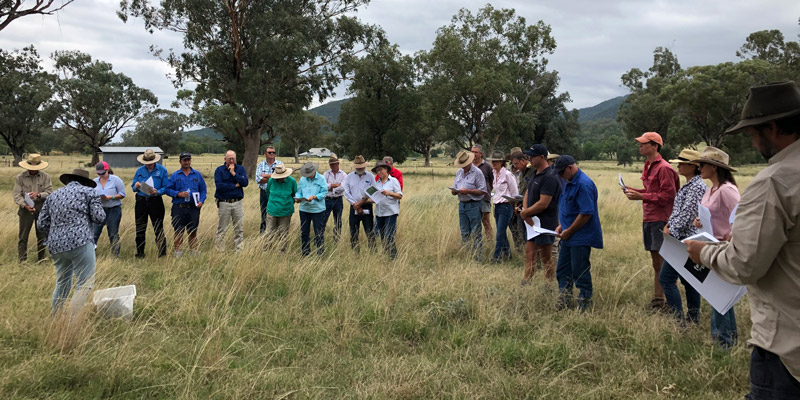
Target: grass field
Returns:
[[431, 324]]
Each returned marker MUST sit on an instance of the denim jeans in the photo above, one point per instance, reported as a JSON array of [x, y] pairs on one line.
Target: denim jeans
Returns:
[[367, 221], [333, 205], [306, 220], [502, 217], [668, 278], [113, 218], [574, 269], [769, 378], [723, 328], [469, 220], [387, 227], [78, 263], [263, 198]]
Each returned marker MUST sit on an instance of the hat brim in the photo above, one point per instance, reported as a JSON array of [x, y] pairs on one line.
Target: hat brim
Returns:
[[496, 159], [283, 175], [714, 162], [745, 123], [333, 162], [362, 165], [552, 157], [67, 178], [309, 174], [469, 161], [141, 160], [375, 168], [31, 167], [678, 161]]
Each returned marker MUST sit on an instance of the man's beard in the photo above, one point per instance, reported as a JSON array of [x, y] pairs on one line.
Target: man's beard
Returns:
[[766, 147]]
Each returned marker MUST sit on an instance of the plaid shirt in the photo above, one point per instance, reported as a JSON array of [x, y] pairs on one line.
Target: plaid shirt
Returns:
[[265, 168], [67, 217], [684, 210]]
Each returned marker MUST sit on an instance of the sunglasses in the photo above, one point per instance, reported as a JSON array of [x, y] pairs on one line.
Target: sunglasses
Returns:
[[270, 152]]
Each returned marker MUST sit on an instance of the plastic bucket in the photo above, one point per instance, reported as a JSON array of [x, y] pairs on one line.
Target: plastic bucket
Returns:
[[116, 302]]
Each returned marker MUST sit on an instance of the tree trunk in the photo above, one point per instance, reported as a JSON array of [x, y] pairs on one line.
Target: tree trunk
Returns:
[[296, 151], [428, 156], [95, 156], [252, 144]]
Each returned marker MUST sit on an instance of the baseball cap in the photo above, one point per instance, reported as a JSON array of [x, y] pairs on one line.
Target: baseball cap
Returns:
[[537, 150], [101, 167], [184, 155], [650, 137], [562, 163]]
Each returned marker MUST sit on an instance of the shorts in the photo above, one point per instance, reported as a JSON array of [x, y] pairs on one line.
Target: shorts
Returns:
[[486, 206], [651, 233], [543, 240], [185, 218]]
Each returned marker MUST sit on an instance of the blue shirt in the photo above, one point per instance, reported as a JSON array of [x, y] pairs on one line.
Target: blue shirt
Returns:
[[160, 179], [180, 182], [473, 179], [226, 183], [114, 186], [317, 186], [580, 197]]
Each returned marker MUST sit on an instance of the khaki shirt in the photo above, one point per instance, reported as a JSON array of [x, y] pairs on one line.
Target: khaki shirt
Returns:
[[26, 183], [764, 254]]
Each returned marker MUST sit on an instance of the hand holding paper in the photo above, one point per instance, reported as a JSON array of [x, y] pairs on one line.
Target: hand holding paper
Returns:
[[536, 229]]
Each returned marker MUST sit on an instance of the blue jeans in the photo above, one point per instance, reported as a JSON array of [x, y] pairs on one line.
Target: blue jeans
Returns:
[[333, 205], [113, 218], [306, 219], [574, 269], [769, 378], [502, 216], [667, 278], [723, 328], [469, 220], [263, 199], [387, 227], [78, 263]]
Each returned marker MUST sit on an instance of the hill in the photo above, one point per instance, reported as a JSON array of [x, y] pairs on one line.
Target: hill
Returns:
[[605, 110], [330, 110]]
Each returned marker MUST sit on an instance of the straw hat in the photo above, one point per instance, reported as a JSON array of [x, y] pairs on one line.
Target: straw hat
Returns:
[[497, 155], [687, 156], [148, 157], [281, 171], [33, 163], [769, 102], [463, 159], [715, 156], [552, 156], [359, 162], [308, 170], [78, 175], [333, 159], [381, 164]]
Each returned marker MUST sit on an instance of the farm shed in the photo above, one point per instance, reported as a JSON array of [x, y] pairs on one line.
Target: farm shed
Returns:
[[125, 157]]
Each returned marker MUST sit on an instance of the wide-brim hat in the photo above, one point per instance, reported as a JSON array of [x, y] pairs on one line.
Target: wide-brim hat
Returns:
[[715, 156], [308, 170], [34, 162], [497, 156], [463, 159], [333, 159], [281, 171], [687, 156], [148, 157], [359, 162], [767, 103], [78, 175], [381, 164], [552, 156]]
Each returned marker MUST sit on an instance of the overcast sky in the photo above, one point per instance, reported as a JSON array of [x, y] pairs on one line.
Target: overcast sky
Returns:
[[598, 41]]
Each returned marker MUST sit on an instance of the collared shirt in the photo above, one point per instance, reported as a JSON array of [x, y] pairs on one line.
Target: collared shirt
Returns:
[[388, 206], [661, 182], [545, 183], [180, 182], [473, 179], [580, 197], [486, 169], [684, 210], [504, 185], [114, 186], [763, 254], [332, 178], [525, 180], [721, 204], [26, 183], [160, 179], [68, 215], [355, 186], [281, 196], [265, 168], [396, 174], [315, 186], [226, 183]]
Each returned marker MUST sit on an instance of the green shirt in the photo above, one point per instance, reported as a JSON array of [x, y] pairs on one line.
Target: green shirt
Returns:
[[281, 197]]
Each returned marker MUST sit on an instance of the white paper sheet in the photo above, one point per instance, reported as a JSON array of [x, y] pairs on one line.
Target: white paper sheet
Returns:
[[28, 200], [705, 219], [147, 186], [622, 183], [536, 229], [196, 198], [733, 214]]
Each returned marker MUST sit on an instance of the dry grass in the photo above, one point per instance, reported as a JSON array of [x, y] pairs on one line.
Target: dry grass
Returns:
[[431, 324]]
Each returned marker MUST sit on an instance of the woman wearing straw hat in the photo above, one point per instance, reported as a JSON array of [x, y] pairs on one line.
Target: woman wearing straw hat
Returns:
[[280, 191], [310, 194], [31, 188], [387, 209], [505, 185]]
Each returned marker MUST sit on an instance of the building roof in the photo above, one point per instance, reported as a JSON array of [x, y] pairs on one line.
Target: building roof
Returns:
[[120, 149]]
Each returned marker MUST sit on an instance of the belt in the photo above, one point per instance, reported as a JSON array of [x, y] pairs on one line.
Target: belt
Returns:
[[472, 201], [229, 200], [148, 198], [185, 205]]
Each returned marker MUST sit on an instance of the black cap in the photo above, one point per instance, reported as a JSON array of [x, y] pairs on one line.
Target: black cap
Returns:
[[185, 155], [562, 163], [537, 150]]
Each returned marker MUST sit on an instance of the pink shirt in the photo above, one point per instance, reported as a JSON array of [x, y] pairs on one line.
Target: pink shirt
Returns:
[[504, 184], [721, 204]]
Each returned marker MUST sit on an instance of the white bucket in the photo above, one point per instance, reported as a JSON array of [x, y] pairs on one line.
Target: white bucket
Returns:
[[116, 302]]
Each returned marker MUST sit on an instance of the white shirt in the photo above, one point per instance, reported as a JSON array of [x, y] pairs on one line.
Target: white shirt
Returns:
[[355, 186], [388, 206], [331, 179]]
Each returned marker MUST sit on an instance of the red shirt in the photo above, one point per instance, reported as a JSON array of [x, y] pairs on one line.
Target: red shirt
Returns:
[[661, 182], [396, 174]]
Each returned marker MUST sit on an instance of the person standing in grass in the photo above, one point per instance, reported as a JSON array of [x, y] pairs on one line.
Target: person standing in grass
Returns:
[[150, 205], [66, 219], [355, 186], [32, 185], [281, 189], [470, 187], [264, 171], [230, 179], [660, 185], [182, 185], [680, 226], [580, 231], [765, 242], [396, 174], [541, 201], [486, 203], [333, 200], [523, 174], [504, 185], [388, 208], [311, 195], [111, 191]]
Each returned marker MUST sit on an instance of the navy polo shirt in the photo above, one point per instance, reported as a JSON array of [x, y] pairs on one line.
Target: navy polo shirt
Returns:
[[580, 197]]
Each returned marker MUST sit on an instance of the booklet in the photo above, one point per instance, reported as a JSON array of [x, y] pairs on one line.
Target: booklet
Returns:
[[146, 186], [720, 294], [536, 229], [705, 219], [196, 198], [513, 200], [452, 188], [29, 201], [375, 194]]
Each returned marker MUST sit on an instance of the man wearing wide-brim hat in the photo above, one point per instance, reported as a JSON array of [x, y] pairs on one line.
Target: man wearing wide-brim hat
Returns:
[[334, 177], [470, 187], [31, 188], [355, 186], [149, 204], [67, 219], [764, 250]]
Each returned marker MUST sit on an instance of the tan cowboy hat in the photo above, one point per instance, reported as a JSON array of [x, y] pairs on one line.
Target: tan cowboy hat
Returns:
[[463, 159], [333, 159], [687, 156], [34, 162], [497, 156], [381, 164], [715, 156], [281, 171], [78, 175], [359, 162], [552, 156], [148, 157], [308, 170], [769, 102]]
